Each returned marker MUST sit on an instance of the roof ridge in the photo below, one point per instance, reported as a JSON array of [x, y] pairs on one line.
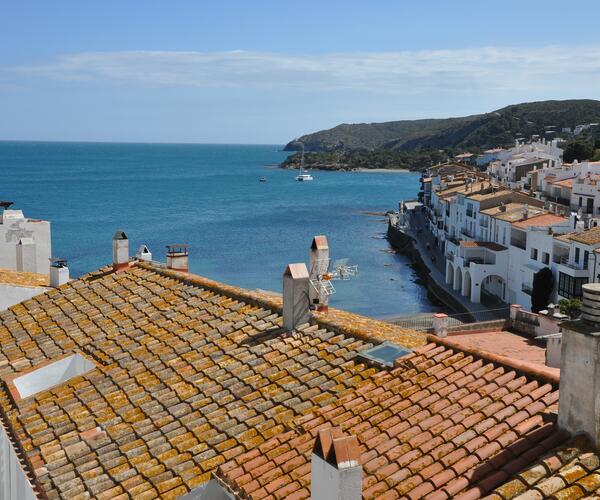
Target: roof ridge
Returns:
[[536, 372], [334, 320]]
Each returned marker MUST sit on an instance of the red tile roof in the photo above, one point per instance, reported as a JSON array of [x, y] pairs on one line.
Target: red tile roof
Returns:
[[189, 373], [483, 244], [541, 220], [568, 183], [443, 424]]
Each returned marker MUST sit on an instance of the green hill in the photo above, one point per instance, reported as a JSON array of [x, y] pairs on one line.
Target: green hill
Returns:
[[498, 128]]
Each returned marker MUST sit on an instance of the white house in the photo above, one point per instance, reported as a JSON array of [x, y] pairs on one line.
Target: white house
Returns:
[[25, 244]]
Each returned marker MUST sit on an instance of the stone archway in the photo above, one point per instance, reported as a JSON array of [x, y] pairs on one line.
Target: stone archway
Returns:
[[493, 290], [449, 274], [457, 278], [466, 288]]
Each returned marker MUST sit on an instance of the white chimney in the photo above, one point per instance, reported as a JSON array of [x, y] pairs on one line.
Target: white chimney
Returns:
[[336, 473], [120, 251], [440, 325], [144, 253], [26, 255], [579, 404], [319, 264], [177, 257], [59, 272], [296, 303]]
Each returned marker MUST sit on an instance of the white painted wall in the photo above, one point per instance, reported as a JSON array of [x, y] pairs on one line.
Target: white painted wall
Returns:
[[12, 294], [14, 484], [13, 227]]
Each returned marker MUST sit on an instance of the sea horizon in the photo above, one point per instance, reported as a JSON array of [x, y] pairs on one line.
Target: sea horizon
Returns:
[[241, 231]]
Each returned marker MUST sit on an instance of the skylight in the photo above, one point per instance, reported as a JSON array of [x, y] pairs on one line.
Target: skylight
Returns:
[[384, 354], [51, 375]]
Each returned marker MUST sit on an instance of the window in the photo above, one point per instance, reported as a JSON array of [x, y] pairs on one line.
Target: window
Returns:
[[586, 258], [51, 375], [545, 258], [570, 287], [534, 254], [576, 255], [384, 354], [580, 201]]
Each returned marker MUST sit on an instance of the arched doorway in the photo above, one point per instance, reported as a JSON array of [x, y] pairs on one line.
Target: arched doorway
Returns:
[[466, 289], [449, 274], [457, 278], [493, 291]]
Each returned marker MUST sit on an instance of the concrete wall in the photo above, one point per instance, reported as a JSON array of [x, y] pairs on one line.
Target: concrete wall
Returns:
[[11, 294]]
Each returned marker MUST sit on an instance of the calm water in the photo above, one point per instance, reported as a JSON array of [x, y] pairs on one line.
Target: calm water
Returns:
[[239, 230]]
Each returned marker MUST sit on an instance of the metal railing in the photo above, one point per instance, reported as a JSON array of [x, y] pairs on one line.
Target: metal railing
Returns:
[[578, 266], [425, 322]]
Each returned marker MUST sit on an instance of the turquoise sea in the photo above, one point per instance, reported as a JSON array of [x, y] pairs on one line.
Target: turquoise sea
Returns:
[[240, 231]]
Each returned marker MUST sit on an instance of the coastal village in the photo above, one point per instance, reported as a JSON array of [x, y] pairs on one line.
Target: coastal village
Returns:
[[143, 380]]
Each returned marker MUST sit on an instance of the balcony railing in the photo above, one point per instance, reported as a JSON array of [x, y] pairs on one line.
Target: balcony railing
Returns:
[[466, 232], [579, 266]]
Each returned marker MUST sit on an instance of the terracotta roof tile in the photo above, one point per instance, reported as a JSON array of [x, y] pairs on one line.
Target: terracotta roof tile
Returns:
[[429, 454], [190, 375], [541, 220]]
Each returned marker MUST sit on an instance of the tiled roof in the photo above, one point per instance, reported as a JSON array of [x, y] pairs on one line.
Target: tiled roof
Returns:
[[190, 373], [568, 183], [568, 472], [20, 278], [496, 247], [589, 236], [513, 211], [443, 424], [541, 220]]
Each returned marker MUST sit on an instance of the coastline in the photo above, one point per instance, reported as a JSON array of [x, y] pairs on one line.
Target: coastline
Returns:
[[381, 170]]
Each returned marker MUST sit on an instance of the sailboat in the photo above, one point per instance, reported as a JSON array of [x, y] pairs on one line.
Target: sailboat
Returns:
[[303, 176]]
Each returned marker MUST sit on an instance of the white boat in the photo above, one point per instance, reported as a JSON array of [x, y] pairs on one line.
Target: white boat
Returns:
[[303, 176]]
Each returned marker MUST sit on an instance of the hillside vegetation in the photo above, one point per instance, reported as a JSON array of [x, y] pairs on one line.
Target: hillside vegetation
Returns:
[[416, 143]]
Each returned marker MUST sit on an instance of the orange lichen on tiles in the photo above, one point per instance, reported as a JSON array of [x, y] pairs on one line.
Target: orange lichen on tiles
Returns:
[[443, 423], [22, 278], [191, 373]]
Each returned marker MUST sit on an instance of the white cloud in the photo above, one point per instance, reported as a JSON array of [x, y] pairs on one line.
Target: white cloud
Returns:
[[464, 70]]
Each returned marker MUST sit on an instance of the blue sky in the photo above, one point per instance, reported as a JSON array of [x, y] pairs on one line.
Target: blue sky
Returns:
[[267, 71]]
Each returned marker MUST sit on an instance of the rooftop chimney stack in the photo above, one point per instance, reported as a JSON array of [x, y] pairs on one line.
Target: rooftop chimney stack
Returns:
[[59, 272], [144, 253], [319, 264], [579, 405], [336, 473], [26, 261], [296, 302], [120, 251], [177, 257]]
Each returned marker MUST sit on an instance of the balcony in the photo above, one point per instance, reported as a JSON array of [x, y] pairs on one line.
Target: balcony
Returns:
[[564, 261], [528, 289], [522, 244], [464, 231]]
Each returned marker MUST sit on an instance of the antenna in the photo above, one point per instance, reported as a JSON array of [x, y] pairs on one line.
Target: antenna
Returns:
[[325, 272]]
